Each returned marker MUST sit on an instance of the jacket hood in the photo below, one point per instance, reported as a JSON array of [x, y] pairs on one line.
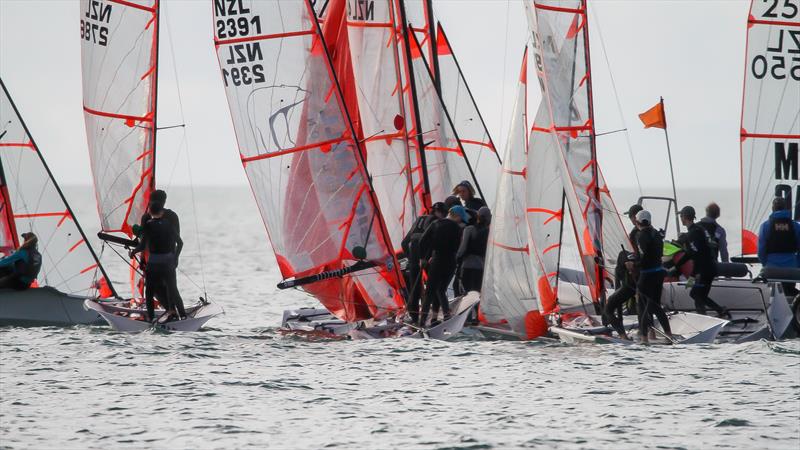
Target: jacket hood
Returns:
[[785, 214]]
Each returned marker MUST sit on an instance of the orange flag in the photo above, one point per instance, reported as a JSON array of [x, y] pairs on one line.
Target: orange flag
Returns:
[[654, 117]]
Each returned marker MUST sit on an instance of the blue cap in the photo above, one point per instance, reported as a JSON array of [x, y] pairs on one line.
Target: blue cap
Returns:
[[462, 212]]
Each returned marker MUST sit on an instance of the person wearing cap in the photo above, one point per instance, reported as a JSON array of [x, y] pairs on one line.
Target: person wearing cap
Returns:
[[625, 279], [439, 245], [20, 269], [161, 238], [717, 233], [411, 247], [779, 240], [472, 250], [698, 247], [650, 246], [466, 192]]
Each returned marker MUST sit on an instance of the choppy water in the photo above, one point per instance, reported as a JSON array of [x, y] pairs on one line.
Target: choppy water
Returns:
[[240, 384]]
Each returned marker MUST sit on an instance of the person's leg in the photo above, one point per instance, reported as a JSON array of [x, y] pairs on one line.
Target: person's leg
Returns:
[[657, 287], [175, 300], [415, 284], [645, 311], [699, 294], [614, 305], [790, 290], [150, 285], [448, 271]]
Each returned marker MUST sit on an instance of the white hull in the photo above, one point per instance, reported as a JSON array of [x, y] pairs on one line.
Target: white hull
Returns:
[[687, 328], [44, 306], [120, 318]]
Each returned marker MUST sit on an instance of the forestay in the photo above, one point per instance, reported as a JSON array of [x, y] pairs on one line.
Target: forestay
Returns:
[[770, 131], [32, 202], [298, 149], [509, 289], [119, 57]]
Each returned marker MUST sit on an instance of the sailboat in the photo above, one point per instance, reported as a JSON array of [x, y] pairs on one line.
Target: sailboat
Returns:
[[553, 181], [119, 50], [32, 201]]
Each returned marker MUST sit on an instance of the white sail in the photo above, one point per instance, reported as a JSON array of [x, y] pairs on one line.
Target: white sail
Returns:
[[770, 131]]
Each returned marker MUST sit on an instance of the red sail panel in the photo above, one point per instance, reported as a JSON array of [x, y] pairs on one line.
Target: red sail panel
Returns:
[[376, 69], [119, 59], [467, 119], [32, 202], [301, 156], [418, 17], [770, 130]]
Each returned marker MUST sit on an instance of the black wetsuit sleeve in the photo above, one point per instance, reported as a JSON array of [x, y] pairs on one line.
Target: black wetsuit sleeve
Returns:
[[426, 241], [465, 238], [176, 223], [407, 239], [690, 246]]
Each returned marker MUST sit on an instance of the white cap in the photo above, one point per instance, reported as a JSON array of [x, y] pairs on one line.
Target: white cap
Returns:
[[643, 216]]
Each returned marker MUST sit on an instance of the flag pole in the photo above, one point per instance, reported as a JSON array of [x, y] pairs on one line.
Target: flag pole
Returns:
[[671, 171]]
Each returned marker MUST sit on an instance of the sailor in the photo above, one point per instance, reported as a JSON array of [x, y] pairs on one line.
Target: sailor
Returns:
[[717, 233], [466, 193], [439, 246], [650, 246], [160, 197], [20, 269], [160, 237], [699, 248], [472, 251], [625, 276], [412, 249], [779, 240]]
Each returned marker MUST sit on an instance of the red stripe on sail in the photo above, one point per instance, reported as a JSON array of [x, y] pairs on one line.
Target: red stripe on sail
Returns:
[[744, 134], [89, 268], [95, 112], [511, 249], [133, 5], [247, 159], [263, 37], [369, 24], [482, 144], [558, 9], [18, 144], [772, 22], [552, 247], [71, 249], [444, 149]]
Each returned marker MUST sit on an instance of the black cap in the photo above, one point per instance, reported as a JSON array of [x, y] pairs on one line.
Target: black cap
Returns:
[[158, 196], [439, 206], [634, 209], [688, 212]]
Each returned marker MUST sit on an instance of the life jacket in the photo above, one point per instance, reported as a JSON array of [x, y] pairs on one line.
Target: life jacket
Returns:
[[28, 270], [477, 245], [420, 225], [782, 237], [711, 237]]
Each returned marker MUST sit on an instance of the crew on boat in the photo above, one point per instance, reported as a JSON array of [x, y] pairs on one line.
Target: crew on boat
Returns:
[[161, 237], [439, 245], [466, 192], [717, 233], [625, 274], [411, 247], [472, 251], [20, 269], [698, 246], [779, 240], [650, 245]]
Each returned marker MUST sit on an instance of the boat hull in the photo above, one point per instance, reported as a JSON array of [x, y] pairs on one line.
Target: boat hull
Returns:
[[119, 318], [44, 306]]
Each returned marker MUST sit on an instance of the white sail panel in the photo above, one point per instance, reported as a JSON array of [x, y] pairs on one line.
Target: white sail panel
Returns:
[[770, 131], [301, 157], [119, 59], [376, 69], [33, 201], [509, 289]]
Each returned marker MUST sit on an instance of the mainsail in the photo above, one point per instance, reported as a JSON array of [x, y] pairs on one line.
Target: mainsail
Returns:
[[301, 155], [770, 131], [509, 288], [31, 201], [119, 54]]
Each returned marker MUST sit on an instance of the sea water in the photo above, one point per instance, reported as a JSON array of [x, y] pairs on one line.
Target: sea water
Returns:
[[241, 384]]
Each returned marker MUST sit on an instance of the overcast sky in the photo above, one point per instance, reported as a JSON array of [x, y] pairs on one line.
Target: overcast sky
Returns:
[[689, 51]]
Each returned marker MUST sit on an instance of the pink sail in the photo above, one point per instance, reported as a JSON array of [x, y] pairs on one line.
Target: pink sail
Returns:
[[301, 154], [32, 201], [770, 130]]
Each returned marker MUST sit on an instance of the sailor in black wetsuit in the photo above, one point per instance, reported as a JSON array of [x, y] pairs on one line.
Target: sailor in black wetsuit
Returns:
[[411, 246], [625, 279], [699, 247], [160, 197], [160, 237], [472, 251], [650, 245], [439, 246]]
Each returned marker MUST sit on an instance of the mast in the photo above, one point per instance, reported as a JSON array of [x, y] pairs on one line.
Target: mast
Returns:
[[58, 189], [434, 56], [157, 45], [9, 213], [417, 122]]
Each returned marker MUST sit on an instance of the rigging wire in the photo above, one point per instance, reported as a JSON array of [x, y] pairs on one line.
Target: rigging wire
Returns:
[[184, 148], [616, 97], [505, 68]]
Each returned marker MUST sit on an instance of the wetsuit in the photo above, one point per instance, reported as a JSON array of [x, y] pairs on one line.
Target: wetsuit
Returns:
[[160, 237], [718, 236], [626, 287], [412, 249], [440, 241], [20, 269], [171, 288], [651, 280], [779, 244], [699, 248], [474, 203], [470, 256]]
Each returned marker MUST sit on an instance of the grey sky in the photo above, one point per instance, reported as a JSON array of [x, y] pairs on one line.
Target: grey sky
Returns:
[[691, 52]]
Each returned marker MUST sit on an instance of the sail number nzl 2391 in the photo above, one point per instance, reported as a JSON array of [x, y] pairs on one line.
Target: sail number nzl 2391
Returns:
[[243, 65], [94, 24]]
